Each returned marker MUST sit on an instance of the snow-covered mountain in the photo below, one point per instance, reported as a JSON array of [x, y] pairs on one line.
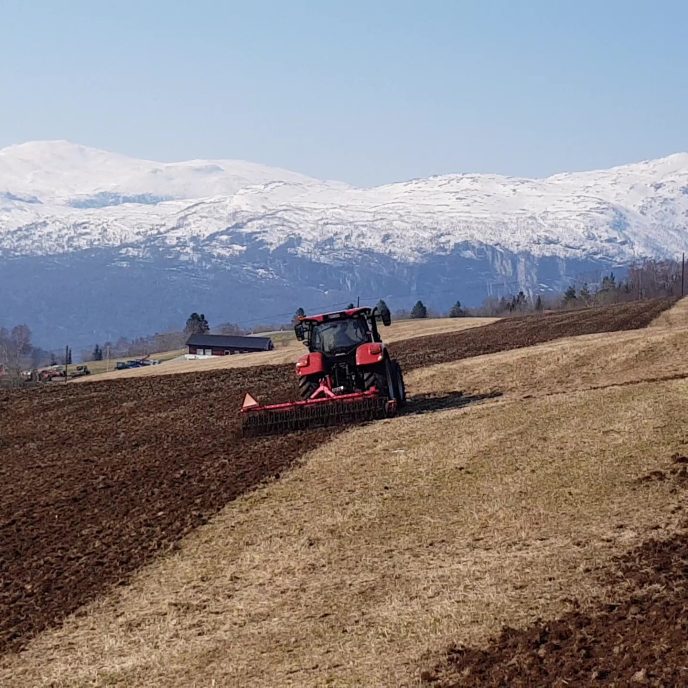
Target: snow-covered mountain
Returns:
[[94, 244]]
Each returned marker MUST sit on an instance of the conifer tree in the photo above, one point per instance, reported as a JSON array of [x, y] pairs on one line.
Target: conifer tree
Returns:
[[196, 324], [570, 296], [456, 311], [419, 310]]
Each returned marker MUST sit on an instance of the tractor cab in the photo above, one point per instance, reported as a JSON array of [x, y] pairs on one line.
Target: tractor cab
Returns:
[[338, 333]]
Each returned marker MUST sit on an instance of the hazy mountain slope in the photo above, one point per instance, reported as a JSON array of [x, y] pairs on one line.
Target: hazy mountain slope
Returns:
[[140, 243]]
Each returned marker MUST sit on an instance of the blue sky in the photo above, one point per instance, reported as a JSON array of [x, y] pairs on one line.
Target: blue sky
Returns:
[[366, 92]]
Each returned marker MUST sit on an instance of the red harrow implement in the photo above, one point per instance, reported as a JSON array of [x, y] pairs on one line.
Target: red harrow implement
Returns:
[[347, 376]]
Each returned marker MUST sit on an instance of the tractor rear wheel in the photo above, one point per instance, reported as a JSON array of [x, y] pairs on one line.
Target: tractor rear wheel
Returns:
[[307, 385], [382, 378], [399, 384], [376, 377]]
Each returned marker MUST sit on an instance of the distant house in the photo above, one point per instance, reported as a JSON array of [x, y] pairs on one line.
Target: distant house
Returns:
[[224, 345]]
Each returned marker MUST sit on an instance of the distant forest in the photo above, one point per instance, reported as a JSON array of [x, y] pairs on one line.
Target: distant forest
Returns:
[[646, 280]]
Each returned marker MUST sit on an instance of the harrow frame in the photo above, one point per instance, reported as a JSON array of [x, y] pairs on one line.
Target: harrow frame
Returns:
[[323, 408]]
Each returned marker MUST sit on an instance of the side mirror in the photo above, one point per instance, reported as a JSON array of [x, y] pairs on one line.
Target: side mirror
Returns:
[[299, 331], [386, 317]]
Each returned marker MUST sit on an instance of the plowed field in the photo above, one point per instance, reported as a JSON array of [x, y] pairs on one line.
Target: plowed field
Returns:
[[97, 479], [639, 638], [514, 333]]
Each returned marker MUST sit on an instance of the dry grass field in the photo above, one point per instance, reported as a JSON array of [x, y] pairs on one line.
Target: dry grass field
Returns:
[[578, 363], [677, 316], [502, 499], [287, 350], [101, 367]]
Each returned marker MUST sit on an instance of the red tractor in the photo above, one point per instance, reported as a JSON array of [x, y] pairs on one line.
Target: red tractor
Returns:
[[347, 375], [347, 355]]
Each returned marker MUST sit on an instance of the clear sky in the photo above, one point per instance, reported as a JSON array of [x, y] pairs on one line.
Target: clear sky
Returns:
[[366, 92]]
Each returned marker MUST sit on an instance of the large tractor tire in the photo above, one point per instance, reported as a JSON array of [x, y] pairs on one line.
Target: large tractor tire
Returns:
[[307, 385], [386, 378], [376, 376], [399, 384]]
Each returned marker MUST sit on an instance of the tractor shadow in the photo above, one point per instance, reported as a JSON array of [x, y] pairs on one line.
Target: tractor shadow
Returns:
[[419, 404]]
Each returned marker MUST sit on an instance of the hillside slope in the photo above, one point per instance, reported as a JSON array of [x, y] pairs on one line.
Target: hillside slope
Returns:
[[160, 456], [361, 567], [470, 511]]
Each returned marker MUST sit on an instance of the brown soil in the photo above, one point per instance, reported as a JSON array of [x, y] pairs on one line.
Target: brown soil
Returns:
[[677, 474], [96, 480], [641, 639], [517, 332]]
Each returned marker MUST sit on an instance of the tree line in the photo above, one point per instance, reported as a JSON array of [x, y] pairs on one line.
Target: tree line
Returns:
[[648, 279], [123, 347], [17, 352]]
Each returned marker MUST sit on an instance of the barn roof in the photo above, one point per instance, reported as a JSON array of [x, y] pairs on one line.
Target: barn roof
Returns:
[[228, 341]]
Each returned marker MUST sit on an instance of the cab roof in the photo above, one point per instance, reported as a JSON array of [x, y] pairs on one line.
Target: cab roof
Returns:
[[336, 315]]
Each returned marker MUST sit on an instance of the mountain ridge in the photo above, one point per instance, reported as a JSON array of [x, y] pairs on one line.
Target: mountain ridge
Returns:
[[273, 238]]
